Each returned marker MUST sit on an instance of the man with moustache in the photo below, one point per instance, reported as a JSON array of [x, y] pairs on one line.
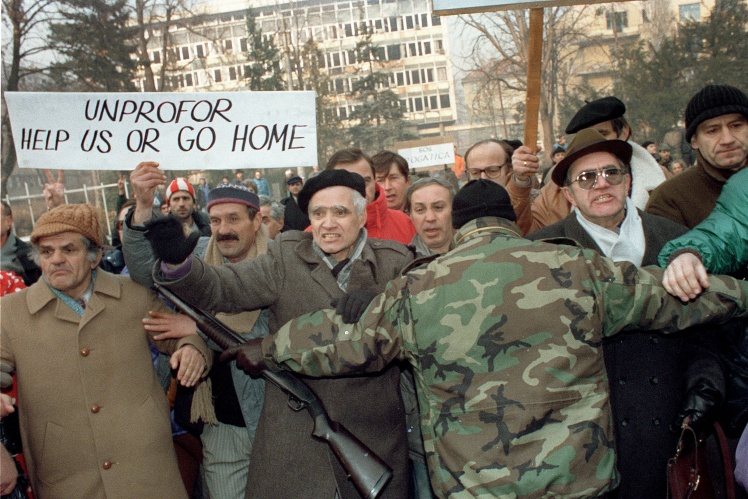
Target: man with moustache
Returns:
[[237, 234]]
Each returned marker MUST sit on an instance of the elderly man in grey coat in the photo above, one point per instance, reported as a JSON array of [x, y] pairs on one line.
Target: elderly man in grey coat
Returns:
[[304, 272]]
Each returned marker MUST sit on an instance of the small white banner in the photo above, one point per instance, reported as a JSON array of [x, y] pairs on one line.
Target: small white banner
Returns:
[[182, 131], [433, 155]]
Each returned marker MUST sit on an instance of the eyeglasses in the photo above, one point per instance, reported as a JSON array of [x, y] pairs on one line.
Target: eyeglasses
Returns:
[[490, 171], [588, 180]]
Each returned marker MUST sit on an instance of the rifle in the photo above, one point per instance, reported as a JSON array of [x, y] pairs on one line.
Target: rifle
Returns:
[[365, 469]]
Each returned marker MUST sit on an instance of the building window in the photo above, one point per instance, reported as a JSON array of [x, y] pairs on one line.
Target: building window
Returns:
[[243, 45], [433, 102], [617, 21], [351, 57], [400, 79], [185, 53], [418, 104], [690, 12], [408, 22], [444, 100], [412, 51], [199, 49], [429, 75], [415, 77], [343, 112], [441, 74], [232, 73], [424, 20], [188, 80], [217, 75], [348, 29], [436, 21], [247, 71], [156, 57], [393, 24], [227, 44], [393, 52], [426, 48]]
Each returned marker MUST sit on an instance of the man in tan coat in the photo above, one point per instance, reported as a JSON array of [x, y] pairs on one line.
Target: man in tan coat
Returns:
[[95, 422]]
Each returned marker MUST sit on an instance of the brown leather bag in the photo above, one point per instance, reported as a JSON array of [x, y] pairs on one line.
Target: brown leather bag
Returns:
[[688, 476]]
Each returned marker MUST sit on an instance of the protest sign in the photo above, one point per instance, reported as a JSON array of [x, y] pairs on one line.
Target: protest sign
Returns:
[[182, 131], [421, 155]]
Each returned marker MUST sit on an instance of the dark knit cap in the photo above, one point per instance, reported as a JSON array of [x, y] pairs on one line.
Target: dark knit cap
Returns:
[[556, 150], [294, 180], [713, 101], [481, 198], [597, 111], [232, 193], [330, 178], [80, 218]]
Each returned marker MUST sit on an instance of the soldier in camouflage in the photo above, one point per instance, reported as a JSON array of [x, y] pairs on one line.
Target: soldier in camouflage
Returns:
[[504, 336]]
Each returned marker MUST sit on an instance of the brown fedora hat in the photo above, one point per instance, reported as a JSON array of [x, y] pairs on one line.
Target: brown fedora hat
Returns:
[[585, 142]]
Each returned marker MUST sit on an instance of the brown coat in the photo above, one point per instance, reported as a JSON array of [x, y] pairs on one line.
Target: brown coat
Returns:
[[688, 198], [292, 280], [94, 419]]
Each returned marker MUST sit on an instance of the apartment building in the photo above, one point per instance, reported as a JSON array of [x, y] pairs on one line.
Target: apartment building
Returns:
[[208, 51]]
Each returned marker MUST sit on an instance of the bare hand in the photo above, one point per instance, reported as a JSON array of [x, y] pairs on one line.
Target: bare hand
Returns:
[[685, 277], [169, 325], [8, 472], [145, 179], [525, 163], [6, 405], [54, 191], [189, 364]]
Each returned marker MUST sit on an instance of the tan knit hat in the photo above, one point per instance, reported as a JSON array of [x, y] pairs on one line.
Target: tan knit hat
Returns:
[[80, 218]]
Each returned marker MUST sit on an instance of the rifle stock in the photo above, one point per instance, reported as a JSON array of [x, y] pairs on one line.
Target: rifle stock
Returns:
[[365, 469]]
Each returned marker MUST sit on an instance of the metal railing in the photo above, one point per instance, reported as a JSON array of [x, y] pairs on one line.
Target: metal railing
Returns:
[[95, 195]]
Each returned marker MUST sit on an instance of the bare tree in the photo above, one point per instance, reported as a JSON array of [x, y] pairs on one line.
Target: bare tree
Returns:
[[504, 37], [25, 21]]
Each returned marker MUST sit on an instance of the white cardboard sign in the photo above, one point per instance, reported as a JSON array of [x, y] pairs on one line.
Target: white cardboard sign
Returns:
[[182, 131], [431, 155]]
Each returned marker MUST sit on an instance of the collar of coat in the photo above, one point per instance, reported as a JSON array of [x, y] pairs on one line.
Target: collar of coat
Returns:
[[39, 294], [484, 226], [305, 250]]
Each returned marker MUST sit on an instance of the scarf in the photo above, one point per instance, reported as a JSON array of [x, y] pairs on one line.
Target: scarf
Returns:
[[342, 270], [627, 244]]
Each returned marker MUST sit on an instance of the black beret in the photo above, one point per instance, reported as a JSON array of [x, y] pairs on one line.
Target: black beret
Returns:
[[597, 111], [330, 178], [481, 198]]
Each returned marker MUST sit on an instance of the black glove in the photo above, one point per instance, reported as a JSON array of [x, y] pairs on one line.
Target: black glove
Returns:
[[248, 355], [353, 304], [702, 402], [168, 240]]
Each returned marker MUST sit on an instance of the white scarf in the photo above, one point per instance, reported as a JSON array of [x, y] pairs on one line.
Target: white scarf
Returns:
[[625, 245]]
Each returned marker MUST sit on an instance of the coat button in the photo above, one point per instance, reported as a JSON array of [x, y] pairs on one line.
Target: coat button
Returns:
[[654, 340], [656, 421], [624, 422], [85, 352], [106, 465], [95, 409], [654, 380], [622, 381]]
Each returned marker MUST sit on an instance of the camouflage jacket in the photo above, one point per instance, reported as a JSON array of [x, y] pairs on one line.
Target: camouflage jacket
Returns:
[[504, 335]]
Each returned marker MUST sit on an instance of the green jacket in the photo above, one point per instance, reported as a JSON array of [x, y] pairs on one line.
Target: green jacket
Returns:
[[504, 336], [722, 238]]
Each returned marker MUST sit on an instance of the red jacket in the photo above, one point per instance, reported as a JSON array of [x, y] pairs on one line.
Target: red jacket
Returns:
[[384, 223]]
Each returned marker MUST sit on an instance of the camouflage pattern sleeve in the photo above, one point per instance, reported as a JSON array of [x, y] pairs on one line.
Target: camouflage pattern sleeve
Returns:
[[321, 344], [634, 298]]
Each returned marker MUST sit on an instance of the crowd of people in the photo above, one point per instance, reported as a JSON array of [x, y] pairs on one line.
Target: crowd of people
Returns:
[[492, 330]]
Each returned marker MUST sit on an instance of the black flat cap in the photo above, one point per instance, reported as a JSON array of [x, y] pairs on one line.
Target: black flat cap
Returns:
[[295, 179], [597, 111], [330, 178]]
